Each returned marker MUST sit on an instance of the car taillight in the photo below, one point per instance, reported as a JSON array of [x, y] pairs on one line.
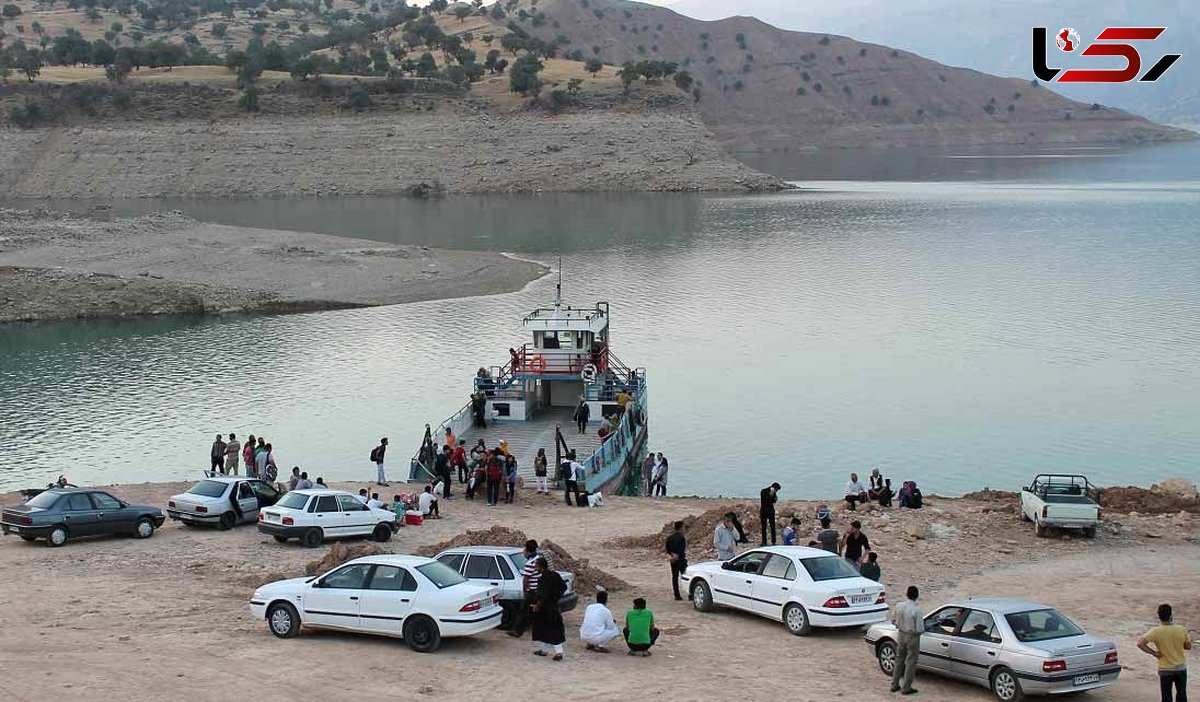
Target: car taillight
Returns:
[[1053, 666], [201, 508], [260, 516], [1099, 513], [25, 520], [1044, 510], [495, 599], [1111, 657], [836, 602], [288, 521], [882, 599], [170, 503], [471, 607]]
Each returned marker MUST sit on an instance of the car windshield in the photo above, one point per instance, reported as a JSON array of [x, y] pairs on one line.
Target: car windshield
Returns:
[[519, 560], [208, 488], [440, 574], [293, 500], [1041, 625], [828, 568], [44, 500]]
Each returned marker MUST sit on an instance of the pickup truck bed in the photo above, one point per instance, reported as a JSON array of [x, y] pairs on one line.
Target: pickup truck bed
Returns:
[[1062, 502]]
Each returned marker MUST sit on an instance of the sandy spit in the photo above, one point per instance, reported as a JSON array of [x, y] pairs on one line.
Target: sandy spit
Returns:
[[57, 266], [169, 614]]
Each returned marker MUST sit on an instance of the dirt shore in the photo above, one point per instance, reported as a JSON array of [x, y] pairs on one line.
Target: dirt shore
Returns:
[[57, 266], [87, 620]]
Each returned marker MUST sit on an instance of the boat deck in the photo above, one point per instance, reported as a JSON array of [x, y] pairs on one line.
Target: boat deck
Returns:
[[525, 438]]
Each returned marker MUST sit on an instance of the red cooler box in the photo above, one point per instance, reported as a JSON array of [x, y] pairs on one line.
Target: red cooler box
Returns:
[[413, 518]]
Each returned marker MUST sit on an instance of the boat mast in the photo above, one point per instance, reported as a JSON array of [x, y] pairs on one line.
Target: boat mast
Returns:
[[558, 288]]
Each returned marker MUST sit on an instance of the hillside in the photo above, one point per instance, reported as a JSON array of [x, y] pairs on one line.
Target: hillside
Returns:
[[767, 88]]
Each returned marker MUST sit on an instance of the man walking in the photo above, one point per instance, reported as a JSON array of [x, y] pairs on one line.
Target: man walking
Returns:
[[217, 454], [530, 576], [766, 510], [910, 623], [377, 458], [1167, 642], [677, 552], [582, 413], [575, 474], [233, 451], [725, 538]]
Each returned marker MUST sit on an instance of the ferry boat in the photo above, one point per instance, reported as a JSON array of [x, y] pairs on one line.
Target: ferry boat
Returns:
[[530, 402]]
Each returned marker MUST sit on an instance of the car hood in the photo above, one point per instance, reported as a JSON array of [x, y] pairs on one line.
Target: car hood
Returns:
[[290, 586], [706, 566], [1071, 645]]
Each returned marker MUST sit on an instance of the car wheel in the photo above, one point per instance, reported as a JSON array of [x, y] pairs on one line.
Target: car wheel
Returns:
[[1090, 532], [421, 634], [227, 521], [507, 614], [144, 528], [885, 653], [1005, 685], [701, 596], [1038, 529], [26, 537], [313, 537], [57, 536], [283, 620], [382, 533], [796, 620], [280, 539]]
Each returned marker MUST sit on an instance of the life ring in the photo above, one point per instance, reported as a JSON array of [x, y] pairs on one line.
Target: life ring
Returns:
[[589, 373], [537, 364]]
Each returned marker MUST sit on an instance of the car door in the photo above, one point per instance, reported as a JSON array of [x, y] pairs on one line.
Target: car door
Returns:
[[112, 517], [247, 501], [733, 584], [267, 495], [333, 600], [938, 638], [482, 569], [387, 600], [354, 516], [327, 514], [773, 586], [80, 515], [976, 646]]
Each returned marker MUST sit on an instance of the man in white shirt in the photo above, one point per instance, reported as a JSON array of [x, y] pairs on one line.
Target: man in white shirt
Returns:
[[855, 492], [725, 538], [910, 623], [362, 496], [598, 626], [374, 502], [428, 503], [576, 474]]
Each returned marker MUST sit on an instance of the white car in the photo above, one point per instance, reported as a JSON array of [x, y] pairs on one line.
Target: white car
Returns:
[[223, 501], [802, 587], [502, 567], [410, 597], [311, 516]]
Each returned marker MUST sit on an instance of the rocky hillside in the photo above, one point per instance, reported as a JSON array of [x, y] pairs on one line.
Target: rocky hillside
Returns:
[[767, 88]]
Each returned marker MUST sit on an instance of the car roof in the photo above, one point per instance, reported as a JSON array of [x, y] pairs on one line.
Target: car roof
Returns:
[[396, 559], [795, 551], [999, 605], [485, 549], [73, 490], [227, 479], [322, 491]]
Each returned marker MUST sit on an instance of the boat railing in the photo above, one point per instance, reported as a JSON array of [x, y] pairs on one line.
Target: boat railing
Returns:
[[607, 386], [421, 464], [620, 447]]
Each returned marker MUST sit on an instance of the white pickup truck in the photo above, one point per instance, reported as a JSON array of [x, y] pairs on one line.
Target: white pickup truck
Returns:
[[1061, 502]]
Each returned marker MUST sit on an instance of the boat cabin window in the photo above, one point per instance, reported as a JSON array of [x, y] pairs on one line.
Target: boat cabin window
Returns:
[[561, 340]]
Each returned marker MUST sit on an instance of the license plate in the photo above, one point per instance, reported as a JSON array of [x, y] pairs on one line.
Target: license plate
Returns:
[[272, 517], [1085, 679], [861, 599]]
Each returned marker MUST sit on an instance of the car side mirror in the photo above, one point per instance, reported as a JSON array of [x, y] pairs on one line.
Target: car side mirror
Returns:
[[726, 566]]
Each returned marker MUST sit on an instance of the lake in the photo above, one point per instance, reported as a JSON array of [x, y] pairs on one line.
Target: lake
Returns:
[[962, 319]]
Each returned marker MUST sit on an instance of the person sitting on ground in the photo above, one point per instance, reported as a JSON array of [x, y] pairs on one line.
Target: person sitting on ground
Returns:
[[828, 537], [304, 483], [874, 484], [885, 493], [640, 632], [321, 484], [789, 532], [910, 495], [374, 502], [291, 484], [855, 492], [598, 627], [399, 507], [362, 496], [870, 569], [428, 503]]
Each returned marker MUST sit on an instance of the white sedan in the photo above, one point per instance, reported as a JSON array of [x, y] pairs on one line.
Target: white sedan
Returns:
[[802, 587], [311, 516], [410, 597]]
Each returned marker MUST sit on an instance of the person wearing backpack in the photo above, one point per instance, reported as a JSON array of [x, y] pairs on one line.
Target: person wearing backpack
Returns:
[[377, 458], [495, 476]]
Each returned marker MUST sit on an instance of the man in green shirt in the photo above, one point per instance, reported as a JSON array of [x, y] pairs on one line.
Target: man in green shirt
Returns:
[[640, 632], [1167, 642]]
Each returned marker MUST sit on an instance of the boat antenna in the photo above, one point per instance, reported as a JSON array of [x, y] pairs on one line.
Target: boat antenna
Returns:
[[558, 288]]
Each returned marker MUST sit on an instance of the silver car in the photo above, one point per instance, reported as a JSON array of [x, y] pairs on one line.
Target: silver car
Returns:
[[1015, 648]]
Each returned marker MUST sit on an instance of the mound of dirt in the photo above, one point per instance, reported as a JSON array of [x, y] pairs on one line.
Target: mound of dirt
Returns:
[[1167, 497], [990, 495], [698, 528], [587, 577], [339, 554]]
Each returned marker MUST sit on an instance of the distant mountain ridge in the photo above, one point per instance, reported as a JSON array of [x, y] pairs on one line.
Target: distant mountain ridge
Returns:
[[766, 88]]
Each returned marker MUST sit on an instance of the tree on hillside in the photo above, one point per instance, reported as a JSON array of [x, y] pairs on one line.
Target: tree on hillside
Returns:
[[117, 71], [304, 67], [249, 98], [438, 6], [462, 12], [426, 65], [488, 39], [358, 97], [10, 11], [489, 61], [523, 78], [628, 74], [684, 80], [513, 43], [29, 62], [102, 53], [593, 66]]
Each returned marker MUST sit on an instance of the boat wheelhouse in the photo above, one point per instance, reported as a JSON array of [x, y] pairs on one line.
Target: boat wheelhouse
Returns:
[[530, 401]]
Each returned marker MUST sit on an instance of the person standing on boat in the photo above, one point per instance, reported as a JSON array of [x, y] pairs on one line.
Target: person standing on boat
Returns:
[[582, 413], [478, 407], [458, 460], [377, 458], [766, 510]]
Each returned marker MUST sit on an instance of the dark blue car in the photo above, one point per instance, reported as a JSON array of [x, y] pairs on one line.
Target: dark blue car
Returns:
[[67, 513]]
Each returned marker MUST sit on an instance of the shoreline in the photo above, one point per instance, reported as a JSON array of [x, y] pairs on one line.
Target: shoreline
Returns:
[[56, 266]]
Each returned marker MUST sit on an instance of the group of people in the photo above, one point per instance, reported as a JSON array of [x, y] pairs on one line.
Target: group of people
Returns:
[[879, 490], [654, 473], [227, 455], [540, 612]]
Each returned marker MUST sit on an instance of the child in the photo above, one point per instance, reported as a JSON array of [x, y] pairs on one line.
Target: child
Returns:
[[789, 532]]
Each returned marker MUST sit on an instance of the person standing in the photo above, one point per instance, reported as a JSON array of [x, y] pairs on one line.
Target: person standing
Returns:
[[582, 413], [766, 510], [725, 538], [441, 468], [270, 469], [450, 440], [677, 552], [233, 451], [598, 627], [541, 473], [248, 457], [530, 577], [548, 627], [575, 474], [510, 478], [910, 623], [217, 454], [660, 476], [495, 476], [854, 544], [1167, 642], [458, 460], [377, 454], [648, 473], [828, 537], [260, 459]]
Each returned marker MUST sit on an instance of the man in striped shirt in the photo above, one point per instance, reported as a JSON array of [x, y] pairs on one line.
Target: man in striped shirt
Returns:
[[530, 576]]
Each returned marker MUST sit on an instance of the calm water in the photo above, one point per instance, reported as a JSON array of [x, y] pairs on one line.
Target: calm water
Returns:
[[1000, 317]]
